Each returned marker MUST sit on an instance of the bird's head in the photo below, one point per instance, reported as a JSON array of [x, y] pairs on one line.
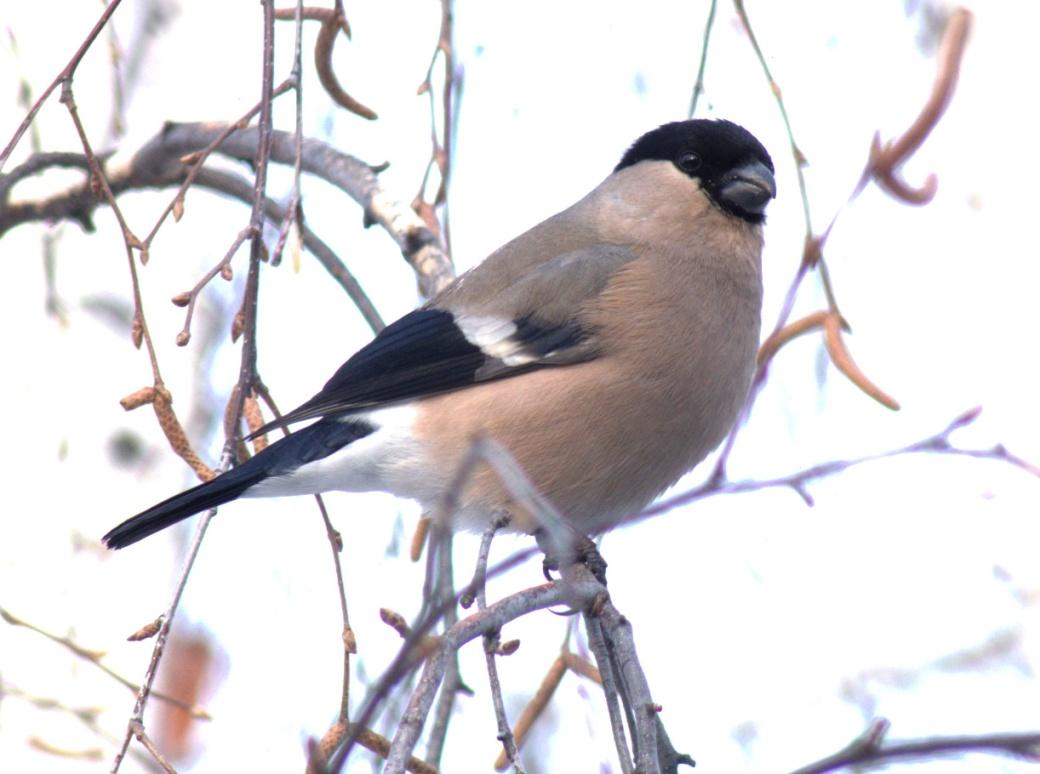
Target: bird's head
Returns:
[[731, 165]]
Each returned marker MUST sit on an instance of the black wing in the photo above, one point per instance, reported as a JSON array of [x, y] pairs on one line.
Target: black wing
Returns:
[[427, 352]]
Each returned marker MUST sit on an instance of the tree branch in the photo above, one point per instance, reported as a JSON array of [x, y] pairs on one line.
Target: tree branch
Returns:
[[871, 748]]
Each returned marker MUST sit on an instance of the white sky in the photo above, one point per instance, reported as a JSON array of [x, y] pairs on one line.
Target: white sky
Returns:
[[757, 618]]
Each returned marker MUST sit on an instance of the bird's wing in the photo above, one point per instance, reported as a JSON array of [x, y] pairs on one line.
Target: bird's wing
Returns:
[[534, 322]]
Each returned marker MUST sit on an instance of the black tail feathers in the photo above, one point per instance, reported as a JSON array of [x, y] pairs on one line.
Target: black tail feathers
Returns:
[[308, 445], [209, 494]]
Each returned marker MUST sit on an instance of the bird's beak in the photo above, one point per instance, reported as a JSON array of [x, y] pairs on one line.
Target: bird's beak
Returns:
[[748, 187]]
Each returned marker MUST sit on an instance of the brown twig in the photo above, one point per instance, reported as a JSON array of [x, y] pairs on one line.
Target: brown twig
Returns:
[[533, 710], [439, 599], [832, 325], [88, 716], [222, 268], [871, 748], [247, 370], [63, 79], [886, 159], [491, 619], [292, 223], [478, 589], [333, 20], [422, 531], [698, 85], [365, 737], [95, 657], [153, 167], [417, 243], [236, 187], [799, 158], [143, 738], [611, 691], [812, 255], [194, 161], [580, 666], [578, 588], [935, 444], [780, 338], [578, 593], [440, 142], [100, 188], [349, 641], [839, 354]]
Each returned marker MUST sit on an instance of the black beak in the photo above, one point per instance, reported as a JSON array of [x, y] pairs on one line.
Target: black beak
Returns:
[[748, 187]]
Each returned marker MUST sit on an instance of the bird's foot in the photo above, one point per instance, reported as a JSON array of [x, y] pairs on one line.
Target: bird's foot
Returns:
[[582, 550]]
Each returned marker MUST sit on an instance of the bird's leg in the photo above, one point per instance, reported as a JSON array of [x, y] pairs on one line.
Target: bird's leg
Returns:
[[579, 548]]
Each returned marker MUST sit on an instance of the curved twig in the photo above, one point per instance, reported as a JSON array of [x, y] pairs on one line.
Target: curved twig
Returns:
[[333, 20], [886, 159]]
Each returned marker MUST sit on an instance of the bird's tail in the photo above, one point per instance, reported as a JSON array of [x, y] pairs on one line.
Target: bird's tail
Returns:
[[209, 494], [285, 455]]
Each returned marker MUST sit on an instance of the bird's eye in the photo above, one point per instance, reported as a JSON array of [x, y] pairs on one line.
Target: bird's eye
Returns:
[[689, 162]]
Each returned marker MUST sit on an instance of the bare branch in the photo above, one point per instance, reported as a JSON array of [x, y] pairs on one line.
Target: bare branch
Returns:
[[871, 748], [489, 620], [94, 657], [934, 444], [62, 79], [143, 738], [160, 159], [698, 85]]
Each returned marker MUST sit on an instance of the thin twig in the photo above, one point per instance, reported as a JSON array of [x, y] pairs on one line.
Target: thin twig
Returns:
[[94, 657], [294, 212], [99, 186], [145, 740], [195, 160], [478, 586], [871, 748], [443, 596], [882, 164], [404, 662], [611, 689], [799, 157], [491, 619], [88, 716], [939, 443], [417, 243], [63, 78], [885, 160], [440, 142], [476, 590], [137, 716], [333, 21], [635, 690], [247, 372], [698, 85], [192, 296], [349, 643], [234, 185], [532, 711]]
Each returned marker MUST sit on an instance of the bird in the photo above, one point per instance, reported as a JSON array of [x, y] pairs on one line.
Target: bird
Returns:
[[608, 349]]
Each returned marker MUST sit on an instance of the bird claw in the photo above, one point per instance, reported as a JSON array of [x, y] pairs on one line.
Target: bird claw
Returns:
[[582, 551]]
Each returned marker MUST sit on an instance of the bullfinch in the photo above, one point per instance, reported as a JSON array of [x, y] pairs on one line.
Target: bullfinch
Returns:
[[608, 349]]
